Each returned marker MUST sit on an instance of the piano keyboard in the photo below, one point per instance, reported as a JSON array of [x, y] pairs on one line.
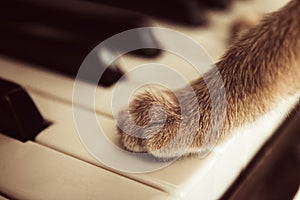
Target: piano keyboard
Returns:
[[56, 165]]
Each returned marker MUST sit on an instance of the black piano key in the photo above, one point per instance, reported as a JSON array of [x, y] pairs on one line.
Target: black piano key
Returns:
[[188, 12], [59, 34], [218, 4], [64, 56], [19, 117], [93, 22]]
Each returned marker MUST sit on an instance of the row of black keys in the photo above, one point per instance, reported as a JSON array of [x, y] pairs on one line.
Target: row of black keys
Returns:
[[58, 35]]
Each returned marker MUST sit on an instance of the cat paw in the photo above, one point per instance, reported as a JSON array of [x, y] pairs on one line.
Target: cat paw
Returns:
[[151, 124], [155, 123]]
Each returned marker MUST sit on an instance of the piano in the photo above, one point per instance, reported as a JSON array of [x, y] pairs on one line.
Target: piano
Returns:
[[42, 154]]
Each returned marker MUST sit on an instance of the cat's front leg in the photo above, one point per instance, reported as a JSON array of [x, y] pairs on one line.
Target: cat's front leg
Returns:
[[260, 67]]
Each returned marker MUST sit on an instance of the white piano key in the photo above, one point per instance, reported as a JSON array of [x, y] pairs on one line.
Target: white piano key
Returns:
[[186, 178], [31, 171], [170, 60], [60, 87], [3, 198], [57, 86], [297, 196]]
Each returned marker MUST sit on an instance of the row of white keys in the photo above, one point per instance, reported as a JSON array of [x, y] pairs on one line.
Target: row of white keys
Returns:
[[182, 178], [31, 171], [61, 87]]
